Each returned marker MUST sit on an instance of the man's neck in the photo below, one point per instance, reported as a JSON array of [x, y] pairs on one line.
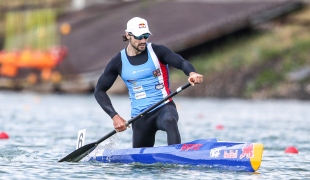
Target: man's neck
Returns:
[[132, 51]]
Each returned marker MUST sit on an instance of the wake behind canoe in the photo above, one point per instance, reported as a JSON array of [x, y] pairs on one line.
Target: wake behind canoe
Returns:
[[239, 156]]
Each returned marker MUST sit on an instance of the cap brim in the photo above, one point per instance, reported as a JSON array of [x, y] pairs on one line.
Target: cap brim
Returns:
[[139, 33]]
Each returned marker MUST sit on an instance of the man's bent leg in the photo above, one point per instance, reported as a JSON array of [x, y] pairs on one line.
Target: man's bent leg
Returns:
[[167, 120], [143, 134]]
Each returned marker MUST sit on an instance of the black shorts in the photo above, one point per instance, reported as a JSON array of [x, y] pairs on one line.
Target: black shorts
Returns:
[[164, 118]]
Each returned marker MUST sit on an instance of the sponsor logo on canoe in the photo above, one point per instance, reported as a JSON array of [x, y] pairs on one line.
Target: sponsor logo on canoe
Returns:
[[140, 95], [156, 73], [231, 154], [159, 86], [137, 88], [215, 152], [190, 147], [247, 151]]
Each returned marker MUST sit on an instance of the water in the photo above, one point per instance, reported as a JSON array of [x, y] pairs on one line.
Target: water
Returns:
[[43, 129]]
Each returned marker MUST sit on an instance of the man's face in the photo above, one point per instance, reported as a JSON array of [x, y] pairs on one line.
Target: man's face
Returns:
[[136, 43]]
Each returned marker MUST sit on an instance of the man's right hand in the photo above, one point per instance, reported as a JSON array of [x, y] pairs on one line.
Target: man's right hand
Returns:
[[119, 123]]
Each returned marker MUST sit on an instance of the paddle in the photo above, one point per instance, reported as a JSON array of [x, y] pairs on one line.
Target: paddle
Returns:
[[83, 151]]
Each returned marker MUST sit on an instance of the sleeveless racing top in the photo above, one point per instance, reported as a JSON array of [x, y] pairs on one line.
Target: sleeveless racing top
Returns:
[[147, 83]]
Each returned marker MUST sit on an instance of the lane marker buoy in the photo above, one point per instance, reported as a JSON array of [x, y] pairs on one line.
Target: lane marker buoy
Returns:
[[4, 135], [291, 149], [219, 127]]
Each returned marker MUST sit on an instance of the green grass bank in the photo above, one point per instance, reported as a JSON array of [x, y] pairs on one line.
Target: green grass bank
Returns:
[[273, 62]]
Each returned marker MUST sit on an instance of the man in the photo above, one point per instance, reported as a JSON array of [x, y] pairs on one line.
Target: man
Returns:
[[144, 69]]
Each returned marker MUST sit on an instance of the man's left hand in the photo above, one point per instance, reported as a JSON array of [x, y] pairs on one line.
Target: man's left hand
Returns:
[[195, 78]]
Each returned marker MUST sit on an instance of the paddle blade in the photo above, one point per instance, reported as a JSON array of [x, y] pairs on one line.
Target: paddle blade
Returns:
[[80, 153]]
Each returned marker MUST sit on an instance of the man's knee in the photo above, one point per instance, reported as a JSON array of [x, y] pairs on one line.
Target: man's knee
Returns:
[[170, 121]]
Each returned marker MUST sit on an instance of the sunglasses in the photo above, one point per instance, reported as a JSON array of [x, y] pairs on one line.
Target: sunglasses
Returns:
[[143, 36]]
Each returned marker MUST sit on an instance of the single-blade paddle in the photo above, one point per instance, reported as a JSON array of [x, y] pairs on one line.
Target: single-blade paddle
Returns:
[[83, 151]]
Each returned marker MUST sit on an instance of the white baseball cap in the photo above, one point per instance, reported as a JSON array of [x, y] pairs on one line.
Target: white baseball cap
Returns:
[[137, 26]]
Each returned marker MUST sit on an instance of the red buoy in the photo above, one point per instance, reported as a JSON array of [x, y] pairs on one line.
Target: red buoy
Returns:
[[219, 127], [200, 116], [291, 149], [4, 135]]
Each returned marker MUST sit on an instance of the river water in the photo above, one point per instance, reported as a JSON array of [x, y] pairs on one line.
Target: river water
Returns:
[[43, 129]]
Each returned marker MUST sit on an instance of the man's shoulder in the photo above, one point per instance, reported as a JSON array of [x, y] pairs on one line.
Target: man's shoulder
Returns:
[[115, 62], [158, 45], [158, 48], [117, 57]]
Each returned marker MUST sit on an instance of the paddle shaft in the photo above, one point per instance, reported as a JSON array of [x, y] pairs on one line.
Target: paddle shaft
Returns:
[[80, 153]]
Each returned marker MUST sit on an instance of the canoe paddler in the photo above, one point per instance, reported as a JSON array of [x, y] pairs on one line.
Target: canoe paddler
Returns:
[[143, 67]]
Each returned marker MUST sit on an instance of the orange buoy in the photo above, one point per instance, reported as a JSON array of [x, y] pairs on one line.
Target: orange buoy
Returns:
[[4, 135], [65, 28], [291, 149]]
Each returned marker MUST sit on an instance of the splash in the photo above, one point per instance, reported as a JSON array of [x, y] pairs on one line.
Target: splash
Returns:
[[109, 147]]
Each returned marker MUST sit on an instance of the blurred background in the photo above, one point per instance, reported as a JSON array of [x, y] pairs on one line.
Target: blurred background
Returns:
[[254, 55], [254, 49]]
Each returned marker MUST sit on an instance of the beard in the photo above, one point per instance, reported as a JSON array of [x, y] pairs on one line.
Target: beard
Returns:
[[140, 47]]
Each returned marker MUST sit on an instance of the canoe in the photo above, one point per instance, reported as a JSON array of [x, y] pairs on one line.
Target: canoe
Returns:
[[237, 156]]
